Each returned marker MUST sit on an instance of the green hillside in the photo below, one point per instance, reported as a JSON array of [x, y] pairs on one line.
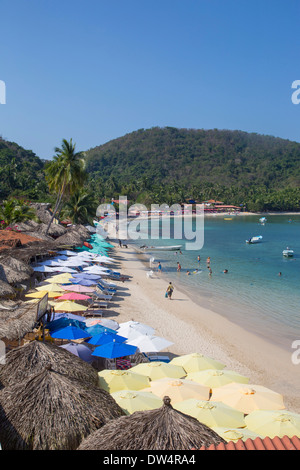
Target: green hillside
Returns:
[[172, 165], [21, 172]]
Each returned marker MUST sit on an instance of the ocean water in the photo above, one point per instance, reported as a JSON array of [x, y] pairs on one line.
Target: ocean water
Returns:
[[252, 293]]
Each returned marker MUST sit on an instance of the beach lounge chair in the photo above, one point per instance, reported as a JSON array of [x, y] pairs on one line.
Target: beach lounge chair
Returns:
[[106, 289], [152, 357]]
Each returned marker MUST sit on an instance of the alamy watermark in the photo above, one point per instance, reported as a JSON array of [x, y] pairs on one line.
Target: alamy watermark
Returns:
[[2, 92], [296, 94], [137, 223]]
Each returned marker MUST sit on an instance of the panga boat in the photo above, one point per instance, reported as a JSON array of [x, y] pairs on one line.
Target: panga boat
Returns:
[[256, 239], [161, 248], [288, 253]]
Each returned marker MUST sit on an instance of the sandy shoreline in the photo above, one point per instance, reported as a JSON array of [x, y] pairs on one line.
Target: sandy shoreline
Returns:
[[193, 328]]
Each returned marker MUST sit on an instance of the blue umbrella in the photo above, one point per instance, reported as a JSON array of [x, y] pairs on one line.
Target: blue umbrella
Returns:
[[99, 329], [84, 282], [114, 349], [70, 332], [79, 350], [106, 337], [87, 276], [63, 323]]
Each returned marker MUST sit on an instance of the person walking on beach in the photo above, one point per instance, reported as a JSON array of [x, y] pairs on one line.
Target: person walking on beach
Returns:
[[170, 289], [159, 268]]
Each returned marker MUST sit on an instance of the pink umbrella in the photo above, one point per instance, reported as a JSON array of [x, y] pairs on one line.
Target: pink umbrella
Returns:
[[74, 296], [78, 288]]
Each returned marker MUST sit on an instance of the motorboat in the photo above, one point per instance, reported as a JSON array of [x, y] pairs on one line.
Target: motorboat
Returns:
[[256, 239], [263, 220], [161, 248], [288, 253]]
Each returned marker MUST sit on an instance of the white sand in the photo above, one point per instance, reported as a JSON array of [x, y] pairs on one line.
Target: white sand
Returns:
[[193, 328]]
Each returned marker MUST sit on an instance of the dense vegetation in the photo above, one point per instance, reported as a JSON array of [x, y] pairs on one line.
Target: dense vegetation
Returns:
[[158, 165], [21, 173], [173, 165]]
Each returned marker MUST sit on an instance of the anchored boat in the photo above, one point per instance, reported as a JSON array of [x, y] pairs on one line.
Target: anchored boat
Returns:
[[256, 239]]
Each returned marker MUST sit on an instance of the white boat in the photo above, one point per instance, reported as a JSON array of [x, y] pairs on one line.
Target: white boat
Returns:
[[288, 253], [161, 248], [263, 220], [256, 239]]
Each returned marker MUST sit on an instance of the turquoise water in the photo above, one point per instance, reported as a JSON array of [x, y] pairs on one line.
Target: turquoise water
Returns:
[[252, 293]]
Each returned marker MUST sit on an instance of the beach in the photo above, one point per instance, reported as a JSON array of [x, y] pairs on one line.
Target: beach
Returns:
[[194, 328]]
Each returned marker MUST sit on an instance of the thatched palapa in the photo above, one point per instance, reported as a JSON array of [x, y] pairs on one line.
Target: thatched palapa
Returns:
[[72, 237], [161, 429], [16, 322], [33, 357], [6, 291], [49, 411]]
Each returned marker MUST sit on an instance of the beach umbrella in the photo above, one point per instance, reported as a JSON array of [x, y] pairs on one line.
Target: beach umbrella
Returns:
[[52, 262], [179, 389], [91, 277], [78, 288], [79, 411], [64, 269], [212, 413], [60, 323], [84, 282], [44, 269], [95, 330], [114, 349], [50, 288], [104, 322], [71, 316], [213, 378], [235, 434], [133, 400], [105, 337], [163, 428], [157, 370], [41, 293], [60, 279], [74, 296], [194, 362], [79, 350], [34, 356], [68, 253], [71, 333], [147, 343], [129, 327], [272, 423], [95, 270], [113, 380], [68, 306], [247, 398]]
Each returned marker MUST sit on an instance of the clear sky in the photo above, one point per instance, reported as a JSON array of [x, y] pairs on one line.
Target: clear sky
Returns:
[[95, 70]]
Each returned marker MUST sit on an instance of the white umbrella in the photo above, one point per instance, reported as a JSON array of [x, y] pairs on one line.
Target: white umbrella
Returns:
[[63, 269], [95, 270], [44, 269], [53, 262], [131, 328], [147, 343], [68, 253], [75, 261]]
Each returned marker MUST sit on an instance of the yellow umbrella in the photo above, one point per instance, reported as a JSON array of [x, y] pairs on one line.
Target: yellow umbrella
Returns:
[[40, 294], [68, 306], [51, 288], [157, 370], [235, 434], [195, 362], [179, 389], [247, 398], [60, 278], [272, 423], [133, 400], [213, 378], [115, 380], [212, 413]]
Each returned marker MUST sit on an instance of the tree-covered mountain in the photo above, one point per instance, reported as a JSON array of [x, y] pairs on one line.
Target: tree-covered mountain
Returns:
[[172, 165], [21, 172]]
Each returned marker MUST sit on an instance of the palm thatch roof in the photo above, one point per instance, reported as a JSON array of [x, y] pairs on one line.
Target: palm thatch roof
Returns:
[[16, 264], [26, 253], [6, 290], [33, 357], [161, 429], [71, 237], [17, 321], [12, 276], [55, 230], [49, 411]]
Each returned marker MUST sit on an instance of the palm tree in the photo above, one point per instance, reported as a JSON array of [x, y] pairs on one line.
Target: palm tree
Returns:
[[65, 174], [81, 207], [14, 210]]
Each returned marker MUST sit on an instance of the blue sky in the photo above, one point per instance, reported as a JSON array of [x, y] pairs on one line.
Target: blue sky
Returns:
[[95, 70]]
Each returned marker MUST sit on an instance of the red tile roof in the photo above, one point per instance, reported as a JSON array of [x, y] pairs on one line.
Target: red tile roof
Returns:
[[277, 443]]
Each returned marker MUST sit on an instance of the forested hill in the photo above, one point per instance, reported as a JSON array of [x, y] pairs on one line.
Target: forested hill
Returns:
[[200, 163], [195, 156], [21, 172]]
